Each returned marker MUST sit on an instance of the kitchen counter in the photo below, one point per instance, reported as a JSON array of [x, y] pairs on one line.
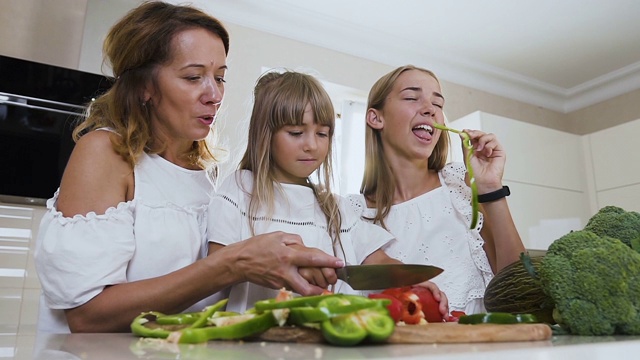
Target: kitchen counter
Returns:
[[127, 346]]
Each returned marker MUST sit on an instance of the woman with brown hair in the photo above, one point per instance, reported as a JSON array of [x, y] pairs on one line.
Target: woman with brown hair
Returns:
[[126, 231]]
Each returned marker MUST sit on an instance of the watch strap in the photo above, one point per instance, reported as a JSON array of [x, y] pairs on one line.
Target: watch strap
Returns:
[[494, 195]]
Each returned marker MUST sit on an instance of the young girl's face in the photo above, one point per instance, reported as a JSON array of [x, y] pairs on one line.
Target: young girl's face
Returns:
[[298, 151], [414, 104]]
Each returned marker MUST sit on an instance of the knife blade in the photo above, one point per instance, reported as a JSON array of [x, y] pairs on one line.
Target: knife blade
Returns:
[[384, 276]]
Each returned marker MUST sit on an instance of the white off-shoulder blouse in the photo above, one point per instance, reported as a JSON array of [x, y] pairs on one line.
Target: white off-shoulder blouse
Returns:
[[434, 229], [161, 230], [296, 211]]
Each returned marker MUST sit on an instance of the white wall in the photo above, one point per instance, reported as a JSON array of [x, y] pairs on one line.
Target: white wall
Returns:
[[552, 182], [559, 180], [43, 31], [546, 174], [615, 158]]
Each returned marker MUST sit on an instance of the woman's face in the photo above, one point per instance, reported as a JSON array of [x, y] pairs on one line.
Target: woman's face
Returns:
[[413, 105], [189, 88], [298, 151]]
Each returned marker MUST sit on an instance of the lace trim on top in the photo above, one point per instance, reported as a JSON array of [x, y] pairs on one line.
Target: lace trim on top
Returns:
[[283, 221], [453, 175], [111, 212], [123, 206]]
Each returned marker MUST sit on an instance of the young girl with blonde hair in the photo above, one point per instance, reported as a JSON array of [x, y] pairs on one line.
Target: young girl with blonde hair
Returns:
[[290, 137]]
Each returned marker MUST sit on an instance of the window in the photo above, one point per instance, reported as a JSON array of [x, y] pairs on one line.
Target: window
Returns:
[[349, 147]]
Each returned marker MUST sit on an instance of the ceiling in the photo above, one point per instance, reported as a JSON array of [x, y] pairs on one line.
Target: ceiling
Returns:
[[563, 55]]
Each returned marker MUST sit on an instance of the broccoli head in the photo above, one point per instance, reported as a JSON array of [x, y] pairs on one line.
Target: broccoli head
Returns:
[[595, 284], [615, 222]]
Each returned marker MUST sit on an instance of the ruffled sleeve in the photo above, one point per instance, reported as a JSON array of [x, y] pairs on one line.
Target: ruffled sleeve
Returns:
[[77, 257], [453, 176], [365, 236]]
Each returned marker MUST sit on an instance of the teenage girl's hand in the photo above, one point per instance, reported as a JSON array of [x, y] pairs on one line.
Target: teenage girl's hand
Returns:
[[488, 160], [273, 260], [438, 295]]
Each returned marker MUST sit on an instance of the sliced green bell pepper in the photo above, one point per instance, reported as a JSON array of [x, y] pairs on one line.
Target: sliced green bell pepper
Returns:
[[343, 330], [179, 319], [138, 324], [326, 310], [343, 319], [270, 304], [378, 323], [208, 312], [240, 330], [371, 321]]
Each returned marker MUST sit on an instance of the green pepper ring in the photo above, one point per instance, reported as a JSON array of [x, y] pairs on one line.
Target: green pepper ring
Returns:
[[379, 326], [343, 331]]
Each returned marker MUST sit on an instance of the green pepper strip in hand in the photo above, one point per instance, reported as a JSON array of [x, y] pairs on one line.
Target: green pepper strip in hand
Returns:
[[466, 142]]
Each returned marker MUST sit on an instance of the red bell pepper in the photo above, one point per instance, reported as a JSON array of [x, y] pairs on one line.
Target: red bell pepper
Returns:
[[411, 308], [430, 307], [417, 303], [454, 316], [395, 308]]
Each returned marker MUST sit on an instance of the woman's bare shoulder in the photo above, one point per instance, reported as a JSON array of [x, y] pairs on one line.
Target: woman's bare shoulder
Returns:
[[96, 176]]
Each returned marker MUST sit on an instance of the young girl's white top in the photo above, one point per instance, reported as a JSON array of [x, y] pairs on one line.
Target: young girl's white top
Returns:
[[296, 211]]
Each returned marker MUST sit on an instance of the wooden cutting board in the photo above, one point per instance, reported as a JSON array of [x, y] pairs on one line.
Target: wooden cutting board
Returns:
[[427, 334]]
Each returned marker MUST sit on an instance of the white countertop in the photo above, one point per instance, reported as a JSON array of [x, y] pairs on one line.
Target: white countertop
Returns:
[[128, 346]]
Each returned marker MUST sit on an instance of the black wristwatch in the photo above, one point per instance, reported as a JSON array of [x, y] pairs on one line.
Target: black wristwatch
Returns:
[[494, 195]]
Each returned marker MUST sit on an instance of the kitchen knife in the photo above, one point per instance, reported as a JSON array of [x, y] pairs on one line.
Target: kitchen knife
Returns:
[[384, 276]]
